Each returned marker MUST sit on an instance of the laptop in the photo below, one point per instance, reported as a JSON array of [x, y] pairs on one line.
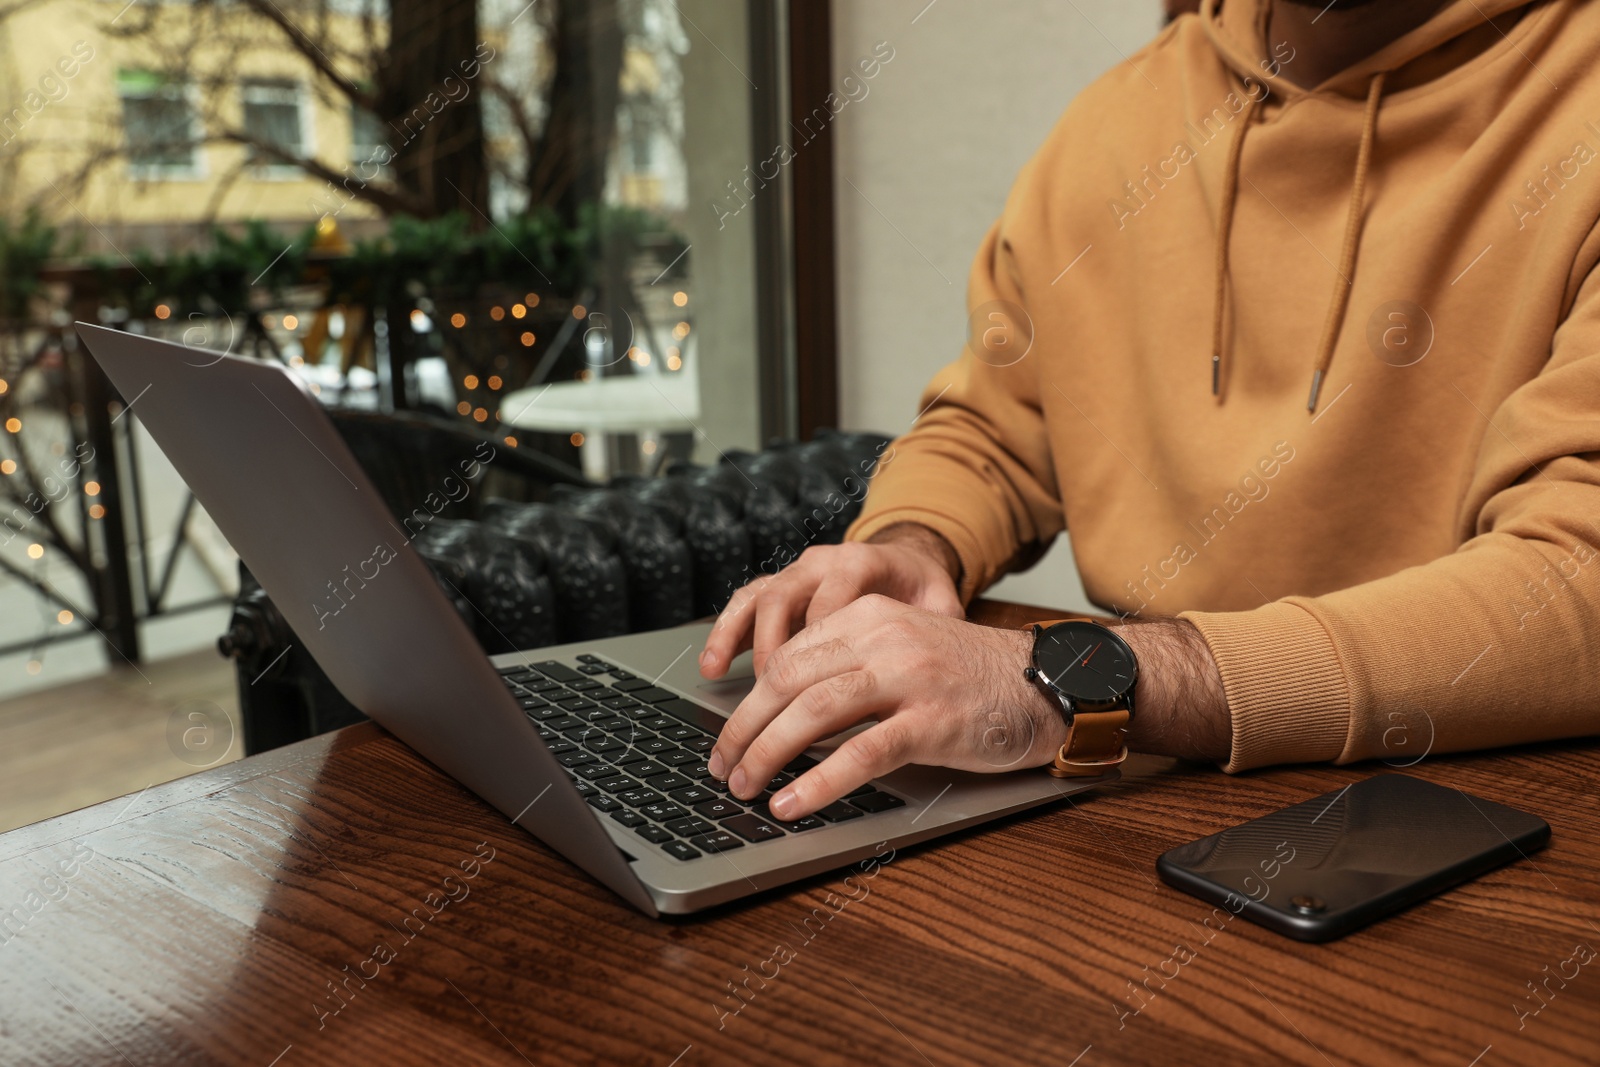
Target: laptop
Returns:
[[597, 749]]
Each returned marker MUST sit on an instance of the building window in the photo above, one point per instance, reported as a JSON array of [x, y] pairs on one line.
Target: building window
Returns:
[[273, 116], [159, 125], [369, 142]]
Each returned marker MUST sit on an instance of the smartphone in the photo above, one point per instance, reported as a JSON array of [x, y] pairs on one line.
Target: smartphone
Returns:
[[1327, 867]]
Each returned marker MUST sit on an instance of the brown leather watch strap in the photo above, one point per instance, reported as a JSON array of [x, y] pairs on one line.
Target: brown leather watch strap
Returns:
[[1096, 742]]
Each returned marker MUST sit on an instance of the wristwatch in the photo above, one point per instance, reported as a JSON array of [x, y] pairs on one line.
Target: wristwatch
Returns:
[[1092, 672]]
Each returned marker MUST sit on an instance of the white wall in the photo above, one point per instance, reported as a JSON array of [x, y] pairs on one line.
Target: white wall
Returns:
[[924, 163]]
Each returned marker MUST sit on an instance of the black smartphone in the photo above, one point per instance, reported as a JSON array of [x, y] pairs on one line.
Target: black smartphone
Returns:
[[1326, 867]]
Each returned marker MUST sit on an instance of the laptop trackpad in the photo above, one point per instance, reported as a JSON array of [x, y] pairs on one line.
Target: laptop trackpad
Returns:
[[725, 693]]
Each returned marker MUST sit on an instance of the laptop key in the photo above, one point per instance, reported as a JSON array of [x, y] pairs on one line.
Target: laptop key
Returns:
[[575, 757], [577, 704], [584, 686], [719, 809], [646, 768], [676, 758], [838, 811], [656, 746], [660, 722], [559, 671], [654, 834], [619, 703], [808, 822], [560, 748], [547, 733], [603, 744], [591, 668], [629, 685], [617, 784], [594, 772], [663, 811], [614, 724], [690, 826], [628, 818], [675, 705], [872, 802], [859, 791], [800, 764], [563, 722], [695, 770], [638, 798], [681, 733], [717, 841], [605, 803], [680, 849], [668, 782], [651, 694], [693, 795], [584, 788], [752, 828], [699, 744]]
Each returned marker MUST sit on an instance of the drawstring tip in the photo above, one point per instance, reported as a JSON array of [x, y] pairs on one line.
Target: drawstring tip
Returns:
[[1216, 374], [1316, 389]]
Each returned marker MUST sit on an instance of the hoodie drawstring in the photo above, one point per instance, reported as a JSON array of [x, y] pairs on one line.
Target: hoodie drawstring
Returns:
[[1230, 195], [1352, 242], [1347, 255]]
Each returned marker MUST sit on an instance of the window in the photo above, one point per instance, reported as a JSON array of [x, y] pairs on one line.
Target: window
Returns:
[[158, 122], [272, 116], [369, 141]]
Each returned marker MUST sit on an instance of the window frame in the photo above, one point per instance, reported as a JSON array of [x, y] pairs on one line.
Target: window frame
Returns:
[[305, 117], [196, 169]]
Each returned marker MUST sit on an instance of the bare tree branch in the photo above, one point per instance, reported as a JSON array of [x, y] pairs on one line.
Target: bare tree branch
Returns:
[[314, 55]]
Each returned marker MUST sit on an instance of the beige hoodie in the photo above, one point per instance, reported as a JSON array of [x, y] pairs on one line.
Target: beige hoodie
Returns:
[[1405, 563]]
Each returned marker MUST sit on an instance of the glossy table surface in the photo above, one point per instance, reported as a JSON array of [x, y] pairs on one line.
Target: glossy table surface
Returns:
[[340, 901]]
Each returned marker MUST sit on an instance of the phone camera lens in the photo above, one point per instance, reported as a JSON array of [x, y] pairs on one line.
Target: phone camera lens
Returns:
[[1308, 905]]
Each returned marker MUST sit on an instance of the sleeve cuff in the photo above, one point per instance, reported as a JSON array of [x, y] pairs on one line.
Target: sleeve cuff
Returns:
[[974, 567], [1286, 689]]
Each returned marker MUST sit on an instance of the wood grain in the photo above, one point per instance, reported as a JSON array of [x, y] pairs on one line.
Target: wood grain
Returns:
[[214, 912]]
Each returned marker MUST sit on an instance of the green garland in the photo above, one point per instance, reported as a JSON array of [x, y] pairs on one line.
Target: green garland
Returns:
[[439, 257]]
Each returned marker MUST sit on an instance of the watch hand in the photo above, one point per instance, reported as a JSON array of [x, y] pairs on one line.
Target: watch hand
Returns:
[[1090, 656]]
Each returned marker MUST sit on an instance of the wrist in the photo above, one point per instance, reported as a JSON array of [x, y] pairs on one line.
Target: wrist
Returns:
[[925, 541], [1180, 707]]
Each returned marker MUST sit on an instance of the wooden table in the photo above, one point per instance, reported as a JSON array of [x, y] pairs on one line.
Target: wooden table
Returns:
[[213, 920]]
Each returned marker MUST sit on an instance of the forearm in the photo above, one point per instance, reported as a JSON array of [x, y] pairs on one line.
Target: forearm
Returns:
[[1180, 708], [916, 536]]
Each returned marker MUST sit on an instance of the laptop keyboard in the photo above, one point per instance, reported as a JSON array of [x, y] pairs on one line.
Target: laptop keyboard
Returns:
[[635, 753]]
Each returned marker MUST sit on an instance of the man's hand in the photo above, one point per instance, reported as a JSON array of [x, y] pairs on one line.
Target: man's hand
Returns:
[[944, 692], [908, 563], [947, 693]]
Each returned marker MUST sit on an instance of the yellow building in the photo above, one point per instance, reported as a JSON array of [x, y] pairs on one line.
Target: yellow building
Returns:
[[124, 134]]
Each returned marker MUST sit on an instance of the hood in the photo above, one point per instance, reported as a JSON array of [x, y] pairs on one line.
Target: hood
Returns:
[[1238, 31]]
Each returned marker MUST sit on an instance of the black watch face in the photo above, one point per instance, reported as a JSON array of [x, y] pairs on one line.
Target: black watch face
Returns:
[[1086, 662]]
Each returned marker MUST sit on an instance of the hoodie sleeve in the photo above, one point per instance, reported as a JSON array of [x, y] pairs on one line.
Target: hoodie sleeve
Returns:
[[1491, 645], [976, 467]]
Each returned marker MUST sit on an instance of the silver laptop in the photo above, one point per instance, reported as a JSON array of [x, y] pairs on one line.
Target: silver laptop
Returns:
[[596, 749]]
